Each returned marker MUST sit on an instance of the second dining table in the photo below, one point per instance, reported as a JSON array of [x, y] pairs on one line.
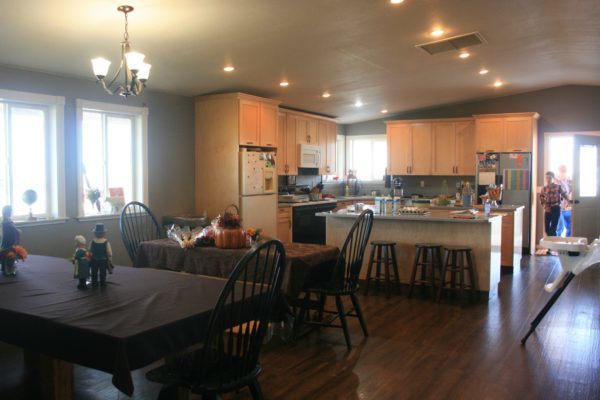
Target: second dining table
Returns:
[[305, 262]]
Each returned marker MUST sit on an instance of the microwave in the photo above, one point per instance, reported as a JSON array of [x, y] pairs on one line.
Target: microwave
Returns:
[[309, 156]]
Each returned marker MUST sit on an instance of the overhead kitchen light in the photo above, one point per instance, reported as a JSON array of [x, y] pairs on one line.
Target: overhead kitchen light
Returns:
[[284, 84], [326, 95], [464, 55], [135, 70], [358, 103], [498, 83], [483, 71], [437, 32], [229, 68], [396, 1], [384, 111]]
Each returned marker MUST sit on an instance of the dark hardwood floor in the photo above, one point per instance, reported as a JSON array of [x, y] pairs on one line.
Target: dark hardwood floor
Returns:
[[421, 350]]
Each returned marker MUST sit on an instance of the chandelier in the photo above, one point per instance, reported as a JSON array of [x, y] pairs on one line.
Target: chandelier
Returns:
[[136, 71]]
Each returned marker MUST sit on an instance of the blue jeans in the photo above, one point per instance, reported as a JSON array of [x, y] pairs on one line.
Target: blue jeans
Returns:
[[551, 221], [564, 223]]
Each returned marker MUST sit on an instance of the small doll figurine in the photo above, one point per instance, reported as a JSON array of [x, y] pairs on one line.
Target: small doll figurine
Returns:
[[81, 259], [101, 256], [10, 233]]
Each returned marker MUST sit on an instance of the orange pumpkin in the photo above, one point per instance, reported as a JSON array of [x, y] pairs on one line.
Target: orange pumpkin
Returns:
[[230, 238]]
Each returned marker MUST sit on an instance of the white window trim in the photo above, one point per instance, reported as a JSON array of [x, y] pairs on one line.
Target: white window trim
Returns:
[[349, 161], [141, 143], [56, 147]]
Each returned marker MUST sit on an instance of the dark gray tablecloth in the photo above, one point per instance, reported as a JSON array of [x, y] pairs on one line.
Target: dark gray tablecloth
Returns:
[[142, 316], [305, 262]]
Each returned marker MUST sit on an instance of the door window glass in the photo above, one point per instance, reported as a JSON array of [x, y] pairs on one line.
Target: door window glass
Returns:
[[588, 171]]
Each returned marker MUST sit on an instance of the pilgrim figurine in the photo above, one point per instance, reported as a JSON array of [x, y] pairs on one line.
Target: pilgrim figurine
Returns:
[[10, 233], [101, 256], [81, 260]]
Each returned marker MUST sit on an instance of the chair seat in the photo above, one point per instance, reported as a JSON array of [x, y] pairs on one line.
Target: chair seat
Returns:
[[428, 245], [182, 372], [383, 243], [331, 288], [457, 248]]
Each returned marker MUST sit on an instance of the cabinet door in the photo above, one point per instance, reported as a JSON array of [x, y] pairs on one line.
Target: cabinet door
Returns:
[[291, 152], [322, 143], [518, 134], [398, 141], [444, 148], [465, 148], [281, 145], [312, 131], [331, 164], [301, 130], [490, 135], [421, 149], [284, 225], [268, 125], [249, 122]]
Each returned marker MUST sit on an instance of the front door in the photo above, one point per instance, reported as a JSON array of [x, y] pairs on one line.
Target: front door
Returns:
[[586, 182]]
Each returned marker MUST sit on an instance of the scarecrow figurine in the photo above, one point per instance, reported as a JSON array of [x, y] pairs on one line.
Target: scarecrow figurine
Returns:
[[81, 260], [101, 256], [10, 233]]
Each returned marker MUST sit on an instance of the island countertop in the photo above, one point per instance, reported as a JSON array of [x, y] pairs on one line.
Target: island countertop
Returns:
[[433, 216]]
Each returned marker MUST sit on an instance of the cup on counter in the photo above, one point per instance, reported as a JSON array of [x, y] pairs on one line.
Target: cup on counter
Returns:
[[374, 193]]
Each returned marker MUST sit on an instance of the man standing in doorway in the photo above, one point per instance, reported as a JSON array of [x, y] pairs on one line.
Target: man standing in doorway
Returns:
[[552, 196], [564, 223]]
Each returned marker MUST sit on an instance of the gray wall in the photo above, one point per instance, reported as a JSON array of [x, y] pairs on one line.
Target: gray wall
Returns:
[[170, 157]]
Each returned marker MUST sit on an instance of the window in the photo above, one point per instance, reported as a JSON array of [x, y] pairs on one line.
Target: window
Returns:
[[112, 156], [588, 172], [31, 132], [366, 156]]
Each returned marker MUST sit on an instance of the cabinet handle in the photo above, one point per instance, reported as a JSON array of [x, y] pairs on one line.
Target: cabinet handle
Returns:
[[517, 150], [489, 151]]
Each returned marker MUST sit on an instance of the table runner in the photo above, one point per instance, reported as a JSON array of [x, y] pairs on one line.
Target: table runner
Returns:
[[142, 316]]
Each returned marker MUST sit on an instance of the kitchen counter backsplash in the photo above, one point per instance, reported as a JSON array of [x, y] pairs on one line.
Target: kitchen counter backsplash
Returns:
[[412, 185]]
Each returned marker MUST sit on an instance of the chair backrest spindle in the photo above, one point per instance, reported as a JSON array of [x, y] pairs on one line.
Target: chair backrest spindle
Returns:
[[137, 224]]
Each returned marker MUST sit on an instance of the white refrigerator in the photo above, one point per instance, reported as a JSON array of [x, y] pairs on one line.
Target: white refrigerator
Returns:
[[258, 191]]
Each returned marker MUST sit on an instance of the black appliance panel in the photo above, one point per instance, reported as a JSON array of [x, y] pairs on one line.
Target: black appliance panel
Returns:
[[308, 228]]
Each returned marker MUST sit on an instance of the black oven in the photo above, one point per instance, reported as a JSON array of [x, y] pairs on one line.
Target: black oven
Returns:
[[306, 227]]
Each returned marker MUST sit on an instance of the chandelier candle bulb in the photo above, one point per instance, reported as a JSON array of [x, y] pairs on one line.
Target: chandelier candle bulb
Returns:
[[100, 66]]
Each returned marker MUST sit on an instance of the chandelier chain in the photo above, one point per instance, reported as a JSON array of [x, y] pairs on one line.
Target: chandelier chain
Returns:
[[126, 34]]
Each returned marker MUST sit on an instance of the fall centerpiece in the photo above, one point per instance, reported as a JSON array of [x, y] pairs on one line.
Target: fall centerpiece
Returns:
[[229, 233], [9, 257]]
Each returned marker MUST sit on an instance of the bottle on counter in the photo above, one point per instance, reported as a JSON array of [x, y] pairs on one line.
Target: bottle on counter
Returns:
[[347, 191], [487, 207]]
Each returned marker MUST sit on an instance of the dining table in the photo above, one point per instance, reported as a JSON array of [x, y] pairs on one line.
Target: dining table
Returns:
[[305, 263], [142, 316]]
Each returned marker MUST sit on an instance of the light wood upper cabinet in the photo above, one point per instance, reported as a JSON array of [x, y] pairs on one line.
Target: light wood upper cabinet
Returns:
[[444, 148], [331, 165], [465, 148], [281, 160], [506, 132], [249, 122], [322, 143], [289, 149], [421, 149], [398, 146], [268, 124]]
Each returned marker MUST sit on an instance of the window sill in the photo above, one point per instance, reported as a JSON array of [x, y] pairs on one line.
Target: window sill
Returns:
[[41, 222], [103, 217]]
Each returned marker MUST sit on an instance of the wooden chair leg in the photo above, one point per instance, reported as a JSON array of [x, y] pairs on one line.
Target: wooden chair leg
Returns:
[[342, 315], [302, 314], [322, 300], [256, 390], [413, 275], [359, 313], [370, 269], [443, 276], [386, 262]]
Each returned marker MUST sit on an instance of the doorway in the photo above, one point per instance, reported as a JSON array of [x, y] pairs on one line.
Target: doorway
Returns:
[[577, 155]]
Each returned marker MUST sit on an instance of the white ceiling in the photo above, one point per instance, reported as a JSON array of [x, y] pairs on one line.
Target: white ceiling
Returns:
[[355, 49]]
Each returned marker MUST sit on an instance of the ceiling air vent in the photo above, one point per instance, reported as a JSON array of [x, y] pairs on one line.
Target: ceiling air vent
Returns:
[[453, 43]]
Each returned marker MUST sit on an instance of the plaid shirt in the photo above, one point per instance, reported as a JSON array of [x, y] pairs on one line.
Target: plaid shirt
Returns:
[[552, 196]]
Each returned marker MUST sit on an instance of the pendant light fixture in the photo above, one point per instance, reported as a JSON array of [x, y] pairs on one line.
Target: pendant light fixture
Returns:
[[135, 70]]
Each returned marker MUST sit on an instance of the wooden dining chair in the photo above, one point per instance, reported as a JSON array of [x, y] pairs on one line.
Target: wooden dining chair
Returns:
[[137, 224], [228, 359], [343, 282]]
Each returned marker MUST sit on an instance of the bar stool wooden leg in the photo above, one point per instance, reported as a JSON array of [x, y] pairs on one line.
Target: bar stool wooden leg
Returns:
[[370, 269], [443, 275], [378, 268], [461, 268], [471, 274], [395, 266], [413, 275], [386, 261]]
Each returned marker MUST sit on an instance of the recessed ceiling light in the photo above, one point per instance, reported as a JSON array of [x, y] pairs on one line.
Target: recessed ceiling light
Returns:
[[437, 32], [358, 103], [498, 83], [384, 111], [229, 68], [483, 71], [284, 84], [326, 95], [396, 1], [464, 55]]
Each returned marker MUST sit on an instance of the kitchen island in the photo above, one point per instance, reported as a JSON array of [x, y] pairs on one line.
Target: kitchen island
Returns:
[[482, 234]]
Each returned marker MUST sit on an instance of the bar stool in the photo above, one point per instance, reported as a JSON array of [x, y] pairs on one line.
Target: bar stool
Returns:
[[429, 258], [457, 260], [386, 257]]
